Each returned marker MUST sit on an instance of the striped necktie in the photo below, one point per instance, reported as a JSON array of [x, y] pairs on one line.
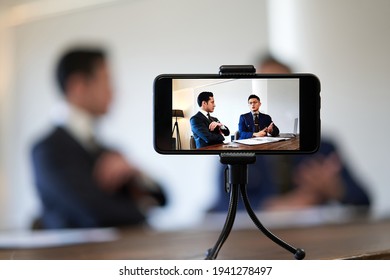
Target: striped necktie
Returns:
[[256, 120]]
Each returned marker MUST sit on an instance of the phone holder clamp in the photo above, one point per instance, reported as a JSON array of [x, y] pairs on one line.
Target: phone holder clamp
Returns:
[[226, 70]]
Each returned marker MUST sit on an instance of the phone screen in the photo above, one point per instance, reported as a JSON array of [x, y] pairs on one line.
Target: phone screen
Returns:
[[214, 114]]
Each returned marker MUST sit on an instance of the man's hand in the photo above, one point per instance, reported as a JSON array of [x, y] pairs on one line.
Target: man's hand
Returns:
[[261, 133], [270, 128], [214, 125], [321, 176], [318, 180], [112, 171]]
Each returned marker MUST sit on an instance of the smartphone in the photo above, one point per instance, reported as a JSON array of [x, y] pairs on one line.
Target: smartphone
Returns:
[[288, 119]]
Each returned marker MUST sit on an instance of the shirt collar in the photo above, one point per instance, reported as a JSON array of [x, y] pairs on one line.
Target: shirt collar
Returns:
[[78, 122], [204, 112]]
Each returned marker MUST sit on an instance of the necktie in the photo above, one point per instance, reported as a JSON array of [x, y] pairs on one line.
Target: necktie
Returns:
[[209, 117], [256, 120], [93, 145]]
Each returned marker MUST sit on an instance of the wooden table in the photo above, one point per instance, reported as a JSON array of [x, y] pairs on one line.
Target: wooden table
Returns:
[[290, 144], [357, 240]]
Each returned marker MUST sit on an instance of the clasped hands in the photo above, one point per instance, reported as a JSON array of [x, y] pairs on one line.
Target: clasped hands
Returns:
[[215, 125], [112, 171], [317, 181], [264, 131]]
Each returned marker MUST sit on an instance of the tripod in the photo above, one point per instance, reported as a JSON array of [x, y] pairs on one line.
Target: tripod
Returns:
[[236, 179], [176, 127]]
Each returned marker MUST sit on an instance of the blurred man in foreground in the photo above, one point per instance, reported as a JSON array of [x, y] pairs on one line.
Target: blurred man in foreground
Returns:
[[285, 182], [80, 182]]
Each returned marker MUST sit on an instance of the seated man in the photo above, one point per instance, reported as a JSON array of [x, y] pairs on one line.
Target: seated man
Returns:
[[284, 182], [207, 130], [80, 182], [254, 123]]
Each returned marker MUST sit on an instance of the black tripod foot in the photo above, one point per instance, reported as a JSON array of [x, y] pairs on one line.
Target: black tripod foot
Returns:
[[208, 254], [300, 254]]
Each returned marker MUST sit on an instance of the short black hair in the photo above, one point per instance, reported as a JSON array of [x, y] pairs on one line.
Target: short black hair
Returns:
[[253, 96], [77, 61], [204, 96]]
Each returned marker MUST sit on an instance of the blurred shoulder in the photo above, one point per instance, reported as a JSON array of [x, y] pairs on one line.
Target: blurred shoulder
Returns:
[[51, 140], [197, 115], [246, 115], [327, 145]]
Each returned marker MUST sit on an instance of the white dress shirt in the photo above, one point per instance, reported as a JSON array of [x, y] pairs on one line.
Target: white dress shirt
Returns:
[[78, 122]]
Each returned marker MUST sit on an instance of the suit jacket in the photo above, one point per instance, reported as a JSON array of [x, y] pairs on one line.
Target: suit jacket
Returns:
[[246, 125], [69, 194], [202, 135]]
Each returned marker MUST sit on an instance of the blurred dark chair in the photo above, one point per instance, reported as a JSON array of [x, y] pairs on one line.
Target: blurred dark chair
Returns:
[[237, 135], [36, 224], [192, 143]]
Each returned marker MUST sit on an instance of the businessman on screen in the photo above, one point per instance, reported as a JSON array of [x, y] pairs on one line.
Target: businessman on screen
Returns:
[[207, 130], [254, 123]]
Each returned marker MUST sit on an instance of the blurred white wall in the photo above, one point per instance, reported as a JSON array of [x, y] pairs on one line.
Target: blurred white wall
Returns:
[[144, 38], [345, 43]]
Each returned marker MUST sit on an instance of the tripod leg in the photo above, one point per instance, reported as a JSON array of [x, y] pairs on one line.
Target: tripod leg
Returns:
[[299, 254], [212, 253], [178, 141], [178, 136]]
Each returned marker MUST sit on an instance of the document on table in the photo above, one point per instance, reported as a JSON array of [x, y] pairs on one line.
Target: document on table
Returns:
[[260, 140]]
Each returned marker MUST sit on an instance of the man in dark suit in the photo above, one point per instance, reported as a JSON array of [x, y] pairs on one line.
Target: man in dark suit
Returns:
[[207, 130], [254, 123], [80, 182]]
